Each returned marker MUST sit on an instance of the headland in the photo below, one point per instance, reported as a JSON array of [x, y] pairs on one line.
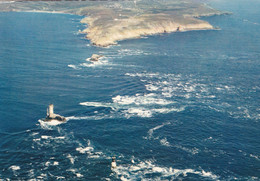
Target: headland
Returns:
[[108, 22]]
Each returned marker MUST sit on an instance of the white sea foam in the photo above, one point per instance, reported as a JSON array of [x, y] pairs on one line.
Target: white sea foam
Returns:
[[60, 177], [146, 105], [244, 112], [71, 158], [208, 174], [131, 52], [137, 105], [255, 156], [45, 137], [97, 104], [77, 118], [93, 156], [146, 112], [151, 87], [53, 138], [96, 155], [60, 137], [42, 176], [146, 99], [164, 142], [79, 175], [150, 75], [171, 87], [141, 112], [101, 62], [74, 67], [35, 133], [164, 91], [47, 164], [141, 170], [95, 117], [150, 132], [88, 149], [49, 124], [168, 110], [37, 139], [31, 174], [53, 163], [193, 151], [211, 139], [83, 150], [14, 167]]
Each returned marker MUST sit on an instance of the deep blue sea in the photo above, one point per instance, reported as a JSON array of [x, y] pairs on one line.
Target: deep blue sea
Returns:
[[179, 106]]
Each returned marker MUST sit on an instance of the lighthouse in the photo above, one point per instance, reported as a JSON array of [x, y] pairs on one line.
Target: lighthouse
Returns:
[[50, 111], [51, 116], [113, 163]]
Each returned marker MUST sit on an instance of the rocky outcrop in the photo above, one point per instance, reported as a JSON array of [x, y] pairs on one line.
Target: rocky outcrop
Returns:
[[94, 58]]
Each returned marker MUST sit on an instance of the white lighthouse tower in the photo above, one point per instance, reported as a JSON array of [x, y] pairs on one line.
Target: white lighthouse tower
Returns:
[[50, 113], [52, 116], [113, 163]]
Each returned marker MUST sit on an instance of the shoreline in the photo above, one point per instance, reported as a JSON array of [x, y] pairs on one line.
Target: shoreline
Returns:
[[108, 23], [112, 39]]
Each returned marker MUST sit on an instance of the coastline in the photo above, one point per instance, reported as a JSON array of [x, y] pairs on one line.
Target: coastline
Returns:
[[115, 34], [111, 22]]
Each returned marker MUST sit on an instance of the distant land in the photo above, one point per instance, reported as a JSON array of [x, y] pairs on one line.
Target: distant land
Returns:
[[111, 21]]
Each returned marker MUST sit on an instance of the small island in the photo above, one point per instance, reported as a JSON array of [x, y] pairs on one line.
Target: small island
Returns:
[[94, 58], [108, 22]]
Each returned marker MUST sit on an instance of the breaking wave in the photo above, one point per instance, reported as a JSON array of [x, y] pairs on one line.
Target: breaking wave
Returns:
[[144, 169], [145, 105], [189, 90], [50, 124]]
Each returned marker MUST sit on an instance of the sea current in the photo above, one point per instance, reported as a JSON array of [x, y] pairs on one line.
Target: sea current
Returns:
[[179, 106]]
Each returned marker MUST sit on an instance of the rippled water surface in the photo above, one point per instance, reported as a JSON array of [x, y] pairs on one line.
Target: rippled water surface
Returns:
[[174, 106]]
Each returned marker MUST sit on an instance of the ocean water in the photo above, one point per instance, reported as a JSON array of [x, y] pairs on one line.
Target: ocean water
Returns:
[[180, 106]]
